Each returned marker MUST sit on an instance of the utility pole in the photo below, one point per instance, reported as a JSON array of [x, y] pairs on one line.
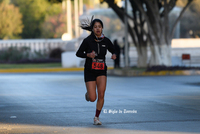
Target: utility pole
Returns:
[[69, 18], [76, 16], [126, 36], [80, 13]]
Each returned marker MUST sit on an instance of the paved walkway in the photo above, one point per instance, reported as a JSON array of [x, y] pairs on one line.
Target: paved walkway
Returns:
[[54, 103]]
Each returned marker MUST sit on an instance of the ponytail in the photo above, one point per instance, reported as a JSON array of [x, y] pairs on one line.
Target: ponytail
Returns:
[[86, 24]]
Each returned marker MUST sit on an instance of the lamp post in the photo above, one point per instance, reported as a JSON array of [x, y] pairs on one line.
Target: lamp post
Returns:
[[80, 13], [126, 35], [69, 18], [76, 15]]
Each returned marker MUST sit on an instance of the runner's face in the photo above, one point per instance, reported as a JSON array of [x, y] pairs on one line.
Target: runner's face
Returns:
[[97, 29]]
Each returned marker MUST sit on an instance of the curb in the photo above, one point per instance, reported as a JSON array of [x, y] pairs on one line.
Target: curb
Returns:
[[111, 71], [42, 70], [117, 72]]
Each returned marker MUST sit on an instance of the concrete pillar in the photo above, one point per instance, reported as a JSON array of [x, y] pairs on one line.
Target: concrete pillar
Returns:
[[80, 13], [69, 18], [126, 36], [76, 17], [63, 5], [80, 7]]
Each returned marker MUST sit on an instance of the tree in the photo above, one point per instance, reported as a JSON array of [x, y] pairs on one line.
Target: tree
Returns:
[[190, 23], [34, 14], [150, 20], [5, 1], [54, 26], [11, 21], [55, 1]]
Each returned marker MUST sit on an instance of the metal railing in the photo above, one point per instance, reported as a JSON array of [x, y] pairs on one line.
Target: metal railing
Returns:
[[33, 44]]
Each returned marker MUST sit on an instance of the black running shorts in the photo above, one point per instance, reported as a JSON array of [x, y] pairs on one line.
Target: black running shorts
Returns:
[[91, 75]]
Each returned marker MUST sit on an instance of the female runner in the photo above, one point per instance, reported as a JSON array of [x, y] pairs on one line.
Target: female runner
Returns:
[[94, 48]]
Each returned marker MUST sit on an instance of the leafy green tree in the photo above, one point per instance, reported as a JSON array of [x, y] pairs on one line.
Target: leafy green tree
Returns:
[[34, 14], [55, 1], [11, 21], [54, 26], [5, 1]]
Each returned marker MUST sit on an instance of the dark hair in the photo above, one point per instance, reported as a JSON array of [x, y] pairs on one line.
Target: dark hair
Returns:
[[115, 41], [88, 25]]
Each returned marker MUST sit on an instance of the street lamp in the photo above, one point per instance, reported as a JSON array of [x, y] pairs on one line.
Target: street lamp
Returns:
[[126, 35]]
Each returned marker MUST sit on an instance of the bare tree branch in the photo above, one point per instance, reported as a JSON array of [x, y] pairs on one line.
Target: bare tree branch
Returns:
[[154, 17], [147, 18], [121, 10], [171, 5], [120, 14], [165, 22], [179, 17]]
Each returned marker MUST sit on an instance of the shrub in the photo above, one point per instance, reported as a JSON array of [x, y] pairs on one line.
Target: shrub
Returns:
[[56, 53], [13, 54]]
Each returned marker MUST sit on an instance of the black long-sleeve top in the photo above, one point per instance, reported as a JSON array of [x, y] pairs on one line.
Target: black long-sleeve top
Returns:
[[89, 44]]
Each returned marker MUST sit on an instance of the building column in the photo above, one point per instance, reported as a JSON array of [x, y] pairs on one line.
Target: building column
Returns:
[[76, 17], [80, 13], [69, 18]]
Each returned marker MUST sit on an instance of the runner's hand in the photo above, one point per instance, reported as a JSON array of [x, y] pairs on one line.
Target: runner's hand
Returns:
[[114, 56], [91, 55]]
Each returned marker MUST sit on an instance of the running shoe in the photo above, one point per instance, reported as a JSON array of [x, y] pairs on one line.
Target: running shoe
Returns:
[[87, 96], [96, 121]]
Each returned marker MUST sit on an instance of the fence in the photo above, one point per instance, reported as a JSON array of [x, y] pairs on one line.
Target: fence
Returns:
[[34, 44]]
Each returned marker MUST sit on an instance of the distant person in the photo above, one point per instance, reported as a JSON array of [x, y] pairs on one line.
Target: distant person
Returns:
[[123, 52], [94, 48], [117, 52]]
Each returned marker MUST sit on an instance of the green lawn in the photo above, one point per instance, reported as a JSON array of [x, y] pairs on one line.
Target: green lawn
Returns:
[[43, 65]]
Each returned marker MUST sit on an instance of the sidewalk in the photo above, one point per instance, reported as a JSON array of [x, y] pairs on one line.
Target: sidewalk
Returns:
[[10, 128]]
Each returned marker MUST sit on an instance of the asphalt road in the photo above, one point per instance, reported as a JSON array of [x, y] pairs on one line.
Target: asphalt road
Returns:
[[55, 103]]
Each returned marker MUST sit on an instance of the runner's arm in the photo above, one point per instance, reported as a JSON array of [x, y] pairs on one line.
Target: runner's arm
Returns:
[[82, 50], [111, 47]]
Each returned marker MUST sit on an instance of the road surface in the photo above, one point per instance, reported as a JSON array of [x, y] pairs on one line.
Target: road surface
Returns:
[[55, 103]]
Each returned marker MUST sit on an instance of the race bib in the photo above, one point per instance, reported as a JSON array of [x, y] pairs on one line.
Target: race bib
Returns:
[[98, 64]]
